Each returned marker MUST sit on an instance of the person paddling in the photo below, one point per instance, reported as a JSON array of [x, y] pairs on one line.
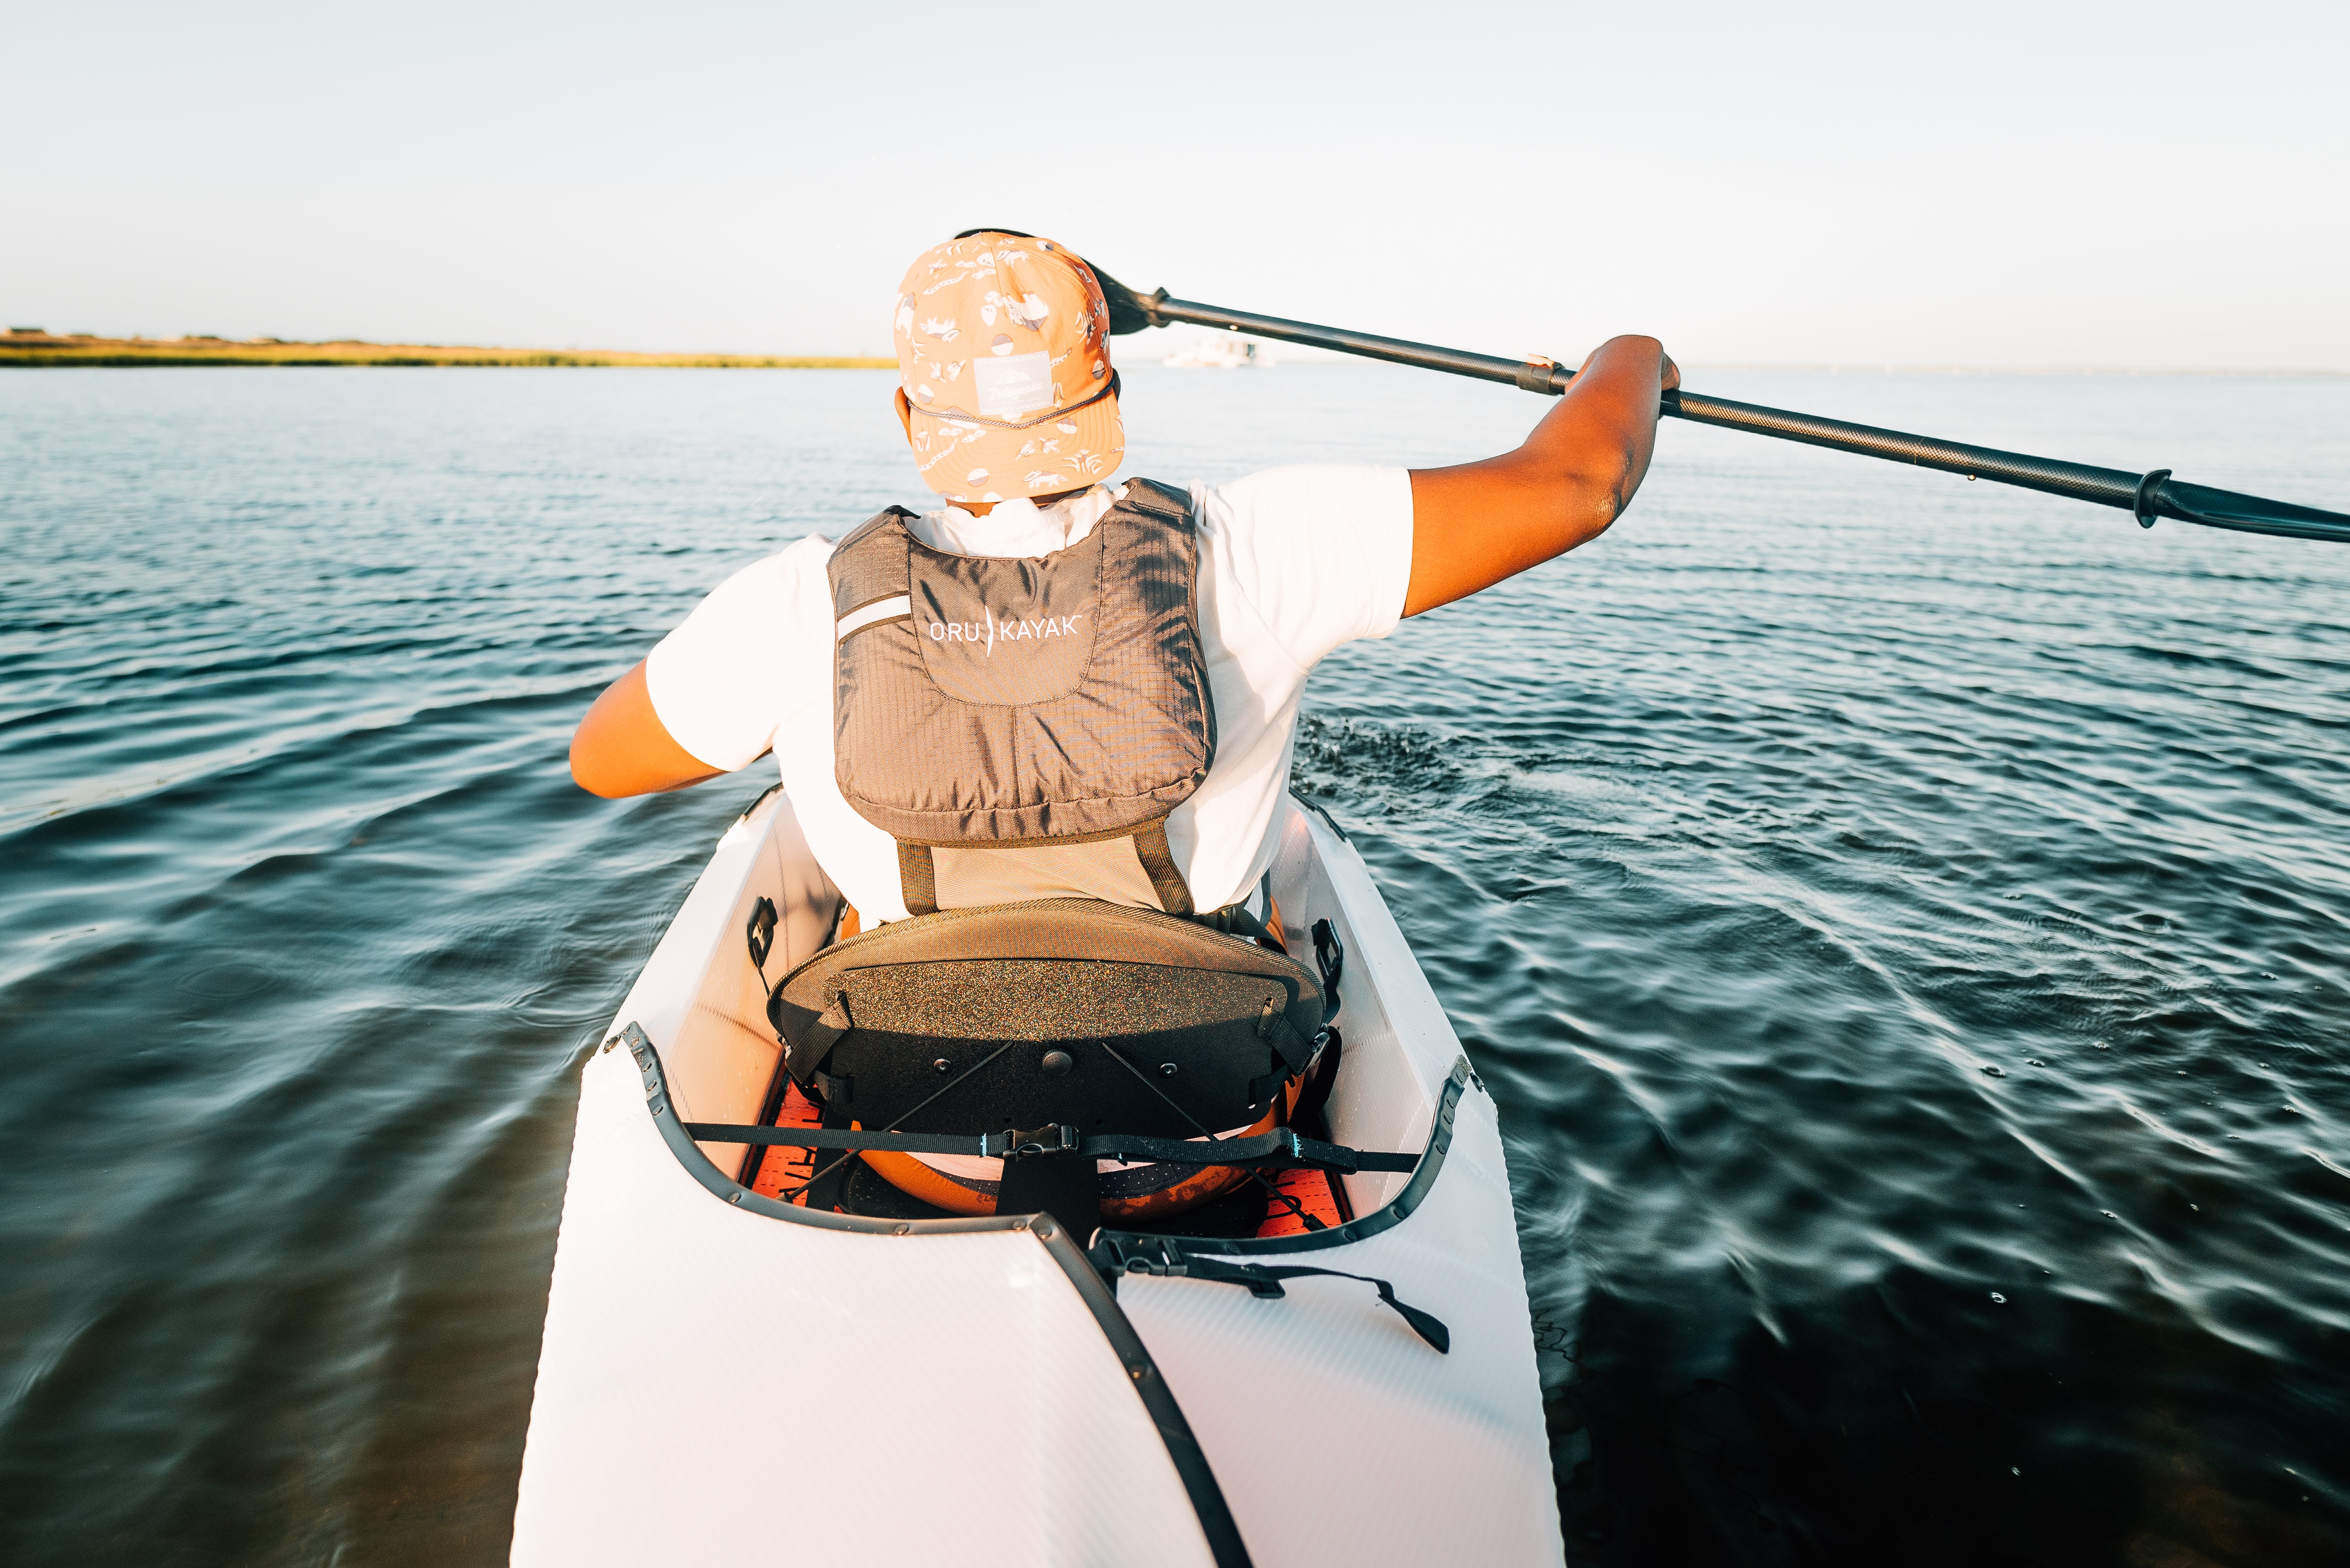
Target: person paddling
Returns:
[[1054, 682]]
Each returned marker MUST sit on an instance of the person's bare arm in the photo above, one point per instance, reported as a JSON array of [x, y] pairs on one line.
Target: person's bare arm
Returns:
[[621, 748], [1474, 524]]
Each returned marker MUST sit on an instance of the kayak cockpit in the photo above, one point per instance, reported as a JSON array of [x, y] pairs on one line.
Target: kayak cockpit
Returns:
[[1174, 1033], [1062, 1056]]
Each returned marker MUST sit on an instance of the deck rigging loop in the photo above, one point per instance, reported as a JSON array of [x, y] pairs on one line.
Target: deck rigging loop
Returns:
[[759, 936], [1330, 957], [1162, 1258]]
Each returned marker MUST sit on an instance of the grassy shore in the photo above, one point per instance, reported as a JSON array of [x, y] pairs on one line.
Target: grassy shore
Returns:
[[48, 350]]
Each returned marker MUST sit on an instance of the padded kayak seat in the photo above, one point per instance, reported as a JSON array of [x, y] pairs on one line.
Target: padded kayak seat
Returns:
[[878, 1024], [1055, 1011]]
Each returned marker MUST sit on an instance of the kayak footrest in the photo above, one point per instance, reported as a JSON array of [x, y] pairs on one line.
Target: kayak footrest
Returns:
[[1280, 1149], [1159, 1257]]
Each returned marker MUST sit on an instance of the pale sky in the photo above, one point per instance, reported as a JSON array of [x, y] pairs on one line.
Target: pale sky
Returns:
[[2054, 184]]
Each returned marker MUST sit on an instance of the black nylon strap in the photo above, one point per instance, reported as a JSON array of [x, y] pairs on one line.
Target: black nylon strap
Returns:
[[1235, 921], [1158, 863], [1263, 1281], [807, 1053], [917, 878], [820, 1137], [1281, 1149]]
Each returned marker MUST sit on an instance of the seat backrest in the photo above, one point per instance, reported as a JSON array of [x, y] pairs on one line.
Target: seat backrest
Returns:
[[1107, 1017]]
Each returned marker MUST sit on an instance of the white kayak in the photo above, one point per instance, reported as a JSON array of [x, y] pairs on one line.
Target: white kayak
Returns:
[[731, 1378]]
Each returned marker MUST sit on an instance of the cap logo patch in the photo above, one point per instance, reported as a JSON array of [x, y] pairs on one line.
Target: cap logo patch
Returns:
[[1014, 385]]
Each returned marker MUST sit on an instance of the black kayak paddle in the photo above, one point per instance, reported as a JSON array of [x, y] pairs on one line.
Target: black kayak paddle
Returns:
[[2145, 496]]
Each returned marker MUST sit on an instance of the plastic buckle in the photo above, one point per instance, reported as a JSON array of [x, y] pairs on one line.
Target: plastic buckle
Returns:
[[1153, 1256], [1010, 1144]]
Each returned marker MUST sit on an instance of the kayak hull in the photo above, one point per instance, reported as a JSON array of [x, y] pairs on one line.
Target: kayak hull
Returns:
[[725, 1376]]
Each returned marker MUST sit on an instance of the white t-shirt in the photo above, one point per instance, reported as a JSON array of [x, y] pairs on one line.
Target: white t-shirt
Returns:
[[1292, 563]]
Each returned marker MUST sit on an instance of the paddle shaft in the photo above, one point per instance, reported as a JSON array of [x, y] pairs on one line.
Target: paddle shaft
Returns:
[[2145, 496]]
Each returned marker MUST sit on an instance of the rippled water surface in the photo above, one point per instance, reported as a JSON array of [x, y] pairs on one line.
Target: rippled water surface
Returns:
[[1904, 921]]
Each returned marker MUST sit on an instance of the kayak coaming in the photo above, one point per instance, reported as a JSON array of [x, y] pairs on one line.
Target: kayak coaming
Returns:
[[1335, 1435]]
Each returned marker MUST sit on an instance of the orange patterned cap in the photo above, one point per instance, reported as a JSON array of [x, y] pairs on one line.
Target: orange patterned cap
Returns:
[[1005, 379]]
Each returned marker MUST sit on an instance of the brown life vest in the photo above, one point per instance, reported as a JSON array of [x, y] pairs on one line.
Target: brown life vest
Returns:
[[1022, 726]]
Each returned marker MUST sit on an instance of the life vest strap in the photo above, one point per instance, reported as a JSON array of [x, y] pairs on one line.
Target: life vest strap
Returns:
[[918, 874], [917, 878], [1158, 863]]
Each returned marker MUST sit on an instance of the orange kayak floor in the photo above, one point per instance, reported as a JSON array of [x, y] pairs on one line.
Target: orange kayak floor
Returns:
[[781, 1171]]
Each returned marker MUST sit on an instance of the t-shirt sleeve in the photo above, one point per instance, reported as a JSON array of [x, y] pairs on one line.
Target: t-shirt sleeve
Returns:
[[723, 681], [1321, 552]]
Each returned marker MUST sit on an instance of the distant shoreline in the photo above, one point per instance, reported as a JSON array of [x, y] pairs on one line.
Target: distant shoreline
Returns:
[[1849, 369], [28, 348], [24, 350]]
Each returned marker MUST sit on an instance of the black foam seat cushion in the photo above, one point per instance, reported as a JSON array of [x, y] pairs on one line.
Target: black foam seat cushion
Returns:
[[1107, 1017]]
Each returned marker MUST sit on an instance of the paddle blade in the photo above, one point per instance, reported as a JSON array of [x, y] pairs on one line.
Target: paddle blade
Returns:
[[2247, 513]]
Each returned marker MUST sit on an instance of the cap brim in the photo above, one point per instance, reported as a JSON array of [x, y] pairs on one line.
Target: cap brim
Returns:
[[963, 461]]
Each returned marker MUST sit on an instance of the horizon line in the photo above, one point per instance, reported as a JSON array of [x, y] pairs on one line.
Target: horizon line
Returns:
[[1837, 368], [27, 340]]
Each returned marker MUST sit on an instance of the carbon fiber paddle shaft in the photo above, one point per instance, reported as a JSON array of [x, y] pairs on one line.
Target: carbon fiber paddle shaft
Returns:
[[2148, 496], [2145, 496]]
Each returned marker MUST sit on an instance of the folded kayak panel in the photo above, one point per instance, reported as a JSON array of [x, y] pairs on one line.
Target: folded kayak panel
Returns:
[[1325, 1394], [1437, 1457], [718, 1387]]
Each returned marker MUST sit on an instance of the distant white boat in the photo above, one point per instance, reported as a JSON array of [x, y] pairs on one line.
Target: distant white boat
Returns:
[[1222, 354]]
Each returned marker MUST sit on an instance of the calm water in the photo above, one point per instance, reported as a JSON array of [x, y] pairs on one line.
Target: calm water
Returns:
[[1904, 921]]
